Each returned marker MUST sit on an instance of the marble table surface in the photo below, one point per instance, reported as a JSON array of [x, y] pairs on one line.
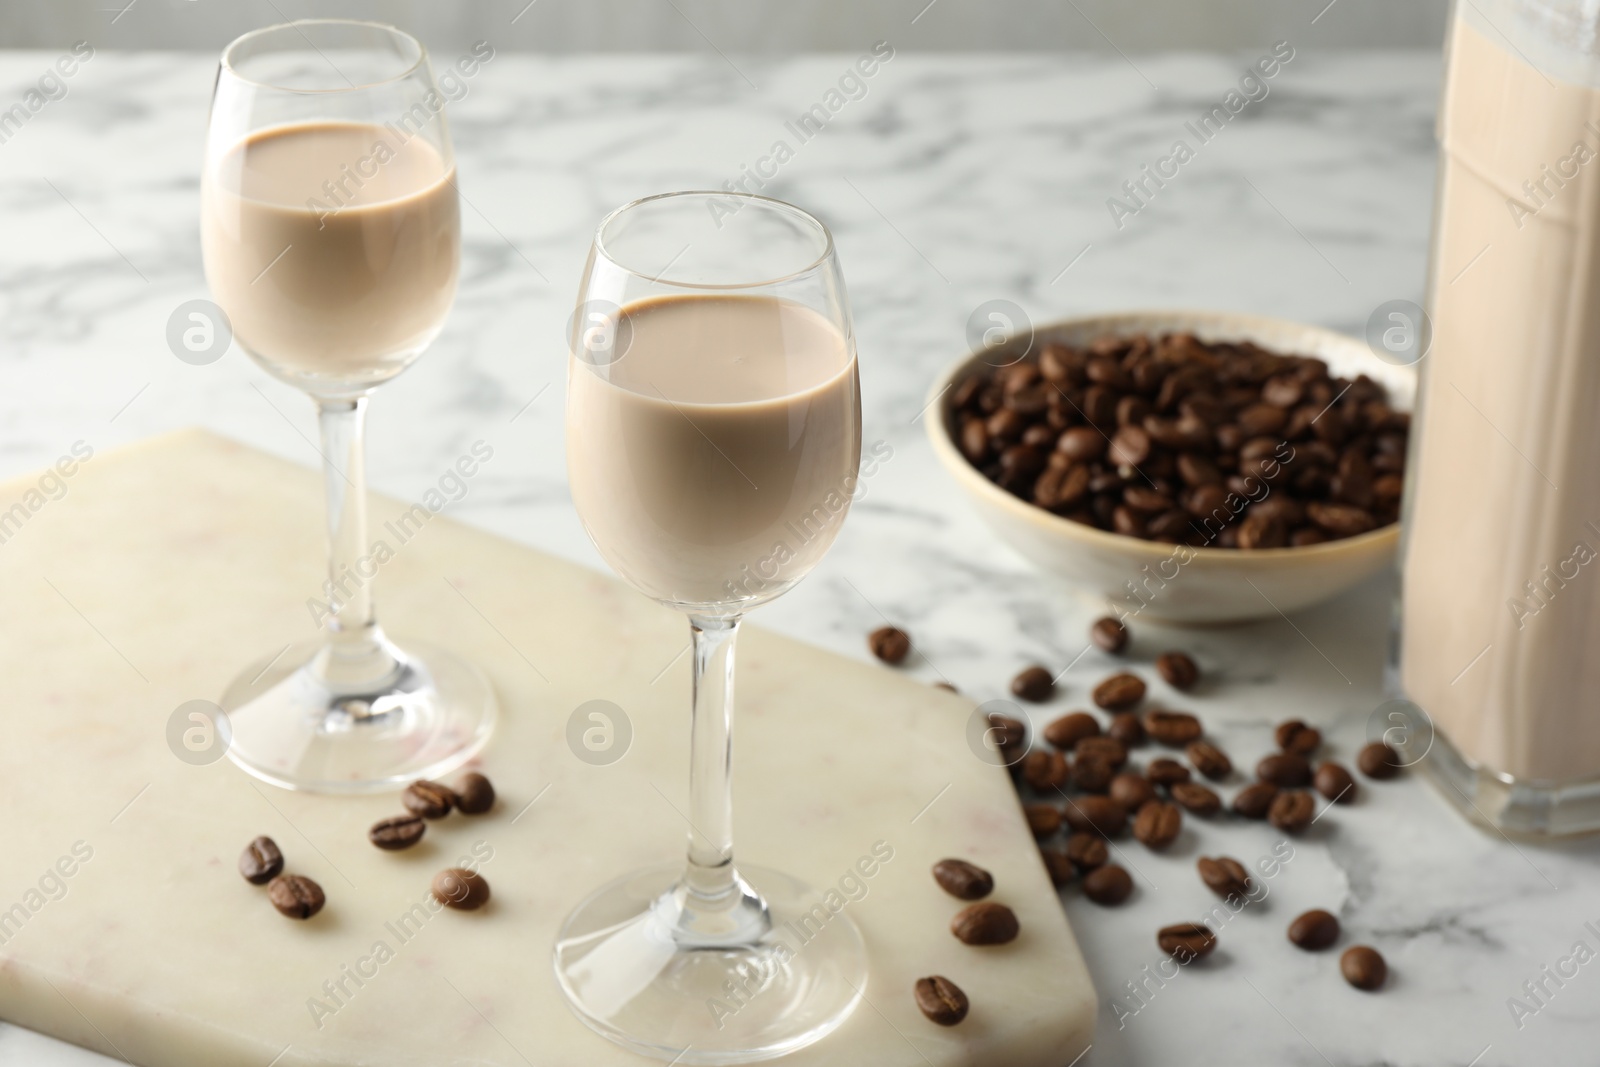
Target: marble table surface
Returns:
[[951, 181]]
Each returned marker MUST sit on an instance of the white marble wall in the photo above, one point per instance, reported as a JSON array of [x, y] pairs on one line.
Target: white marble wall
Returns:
[[955, 180]]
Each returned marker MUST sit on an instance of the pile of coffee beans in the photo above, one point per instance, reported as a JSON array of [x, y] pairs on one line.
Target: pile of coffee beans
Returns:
[[294, 895], [1174, 439], [425, 800]]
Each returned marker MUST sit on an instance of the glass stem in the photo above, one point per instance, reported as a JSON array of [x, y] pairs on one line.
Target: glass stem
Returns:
[[356, 656], [710, 881]]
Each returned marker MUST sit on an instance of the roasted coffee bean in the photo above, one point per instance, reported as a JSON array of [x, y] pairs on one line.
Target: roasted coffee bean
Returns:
[[1286, 770], [1107, 748], [1109, 635], [1295, 736], [941, 1000], [1119, 692], [1057, 865], [1378, 760], [428, 799], [1186, 941], [1292, 812], [1316, 929], [1010, 736], [1065, 732], [1209, 760], [1255, 800], [1175, 729], [1158, 823], [397, 832], [890, 644], [1335, 783], [1087, 851], [1224, 876], [1132, 791], [1196, 798], [1033, 684], [946, 686], [1130, 446], [1166, 772], [474, 794], [459, 888], [1082, 443], [985, 923], [1177, 670], [1101, 815], [1043, 819], [1109, 885], [1341, 520], [261, 862], [1259, 531], [296, 896], [1363, 967], [1126, 727], [1044, 771], [1093, 773], [963, 880]]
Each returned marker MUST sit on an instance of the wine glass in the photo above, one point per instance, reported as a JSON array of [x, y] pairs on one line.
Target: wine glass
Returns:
[[713, 442], [332, 240]]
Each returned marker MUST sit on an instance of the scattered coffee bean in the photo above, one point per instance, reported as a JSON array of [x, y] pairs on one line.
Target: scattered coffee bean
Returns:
[[1158, 823], [474, 794], [261, 862], [1177, 670], [1224, 876], [397, 832], [1044, 771], [946, 686], [1335, 783], [1196, 798], [1043, 819], [428, 799], [1087, 851], [1378, 761], [1191, 424], [1209, 760], [890, 644], [1133, 791], [1102, 815], [459, 888], [1093, 773], [985, 923], [1167, 772], [1255, 800], [1292, 812], [1109, 635], [1010, 736], [1316, 929], [1058, 865], [1186, 941], [1363, 967], [941, 1000], [296, 896], [1034, 685], [1126, 727], [1065, 732], [1109, 885], [1119, 692], [1296, 736], [1174, 729], [1286, 770], [963, 880], [1107, 748]]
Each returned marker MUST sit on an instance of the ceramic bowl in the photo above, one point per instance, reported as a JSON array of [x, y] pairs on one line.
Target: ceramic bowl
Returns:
[[1168, 583]]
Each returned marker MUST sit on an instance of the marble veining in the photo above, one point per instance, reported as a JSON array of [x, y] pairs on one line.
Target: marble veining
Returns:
[[953, 180]]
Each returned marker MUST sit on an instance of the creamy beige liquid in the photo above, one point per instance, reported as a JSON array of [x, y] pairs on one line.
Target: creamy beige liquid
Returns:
[[333, 247], [1501, 609], [713, 463]]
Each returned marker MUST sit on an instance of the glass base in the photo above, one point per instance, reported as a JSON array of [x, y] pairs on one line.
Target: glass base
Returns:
[[424, 716], [632, 975], [1504, 802]]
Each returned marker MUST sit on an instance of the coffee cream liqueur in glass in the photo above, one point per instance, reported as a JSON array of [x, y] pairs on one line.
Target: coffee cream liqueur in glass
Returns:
[[713, 442], [331, 231]]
